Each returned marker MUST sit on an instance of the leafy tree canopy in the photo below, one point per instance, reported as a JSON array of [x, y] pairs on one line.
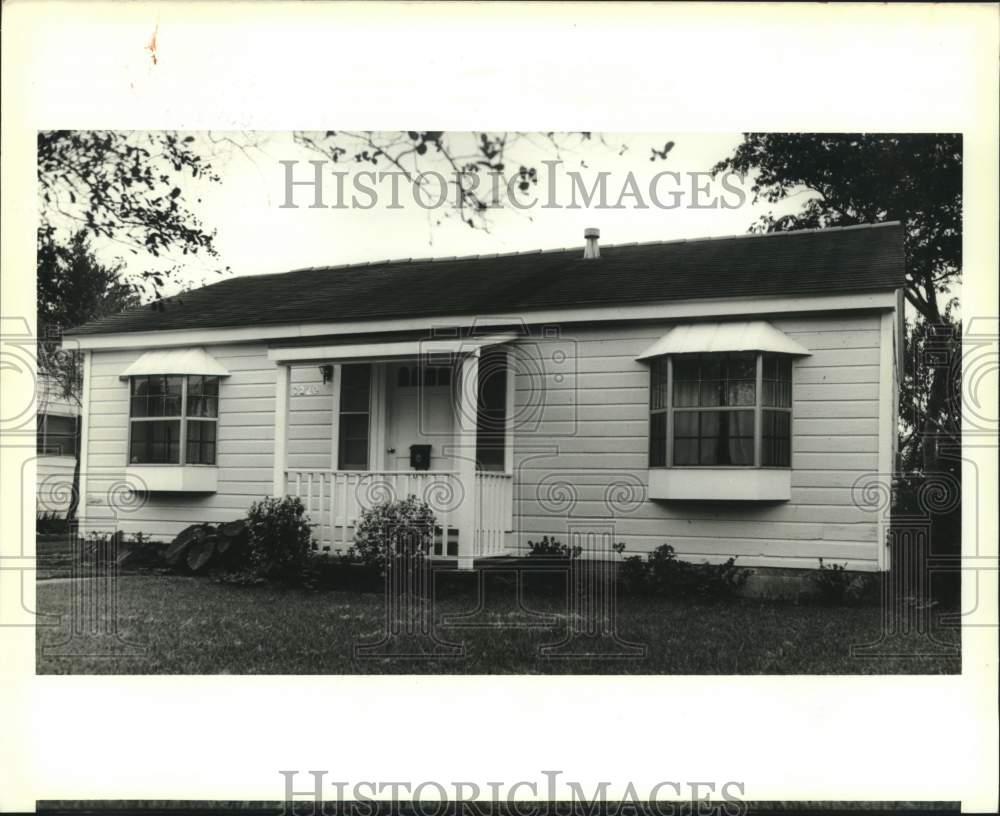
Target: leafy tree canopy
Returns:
[[866, 178]]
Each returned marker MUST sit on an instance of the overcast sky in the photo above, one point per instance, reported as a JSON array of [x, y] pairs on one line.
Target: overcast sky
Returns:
[[255, 234]]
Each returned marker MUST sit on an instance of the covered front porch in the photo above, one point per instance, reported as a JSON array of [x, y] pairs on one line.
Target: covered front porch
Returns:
[[360, 424]]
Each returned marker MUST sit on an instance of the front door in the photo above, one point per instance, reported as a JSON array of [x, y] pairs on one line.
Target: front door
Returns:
[[420, 412]]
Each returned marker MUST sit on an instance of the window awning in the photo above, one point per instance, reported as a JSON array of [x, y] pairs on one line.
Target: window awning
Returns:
[[175, 361], [741, 335], [387, 350]]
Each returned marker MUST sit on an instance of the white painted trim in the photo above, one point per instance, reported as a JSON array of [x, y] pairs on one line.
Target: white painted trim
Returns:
[[335, 419], [377, 416], [887, 394], [721, 484], [281, 389], [729, 335], [81, 505], [385, 351], [678, 310], [464, 458], [508, 434], [508, 430], [173, 478], [184, 362]]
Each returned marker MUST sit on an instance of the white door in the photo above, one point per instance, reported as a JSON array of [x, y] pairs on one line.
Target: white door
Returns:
[[417, 415]]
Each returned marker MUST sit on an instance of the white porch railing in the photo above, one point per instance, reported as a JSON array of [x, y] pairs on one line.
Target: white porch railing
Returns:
[[335, 499]]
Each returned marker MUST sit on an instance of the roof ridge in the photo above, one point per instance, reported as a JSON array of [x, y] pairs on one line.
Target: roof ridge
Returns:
[[520, 252]]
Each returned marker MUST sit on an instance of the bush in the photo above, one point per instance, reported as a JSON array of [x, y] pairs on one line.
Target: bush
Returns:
[[279, 542], [550, 548], [662, 573], [830, 582], [633, 575], [399, 530], [51, 523]]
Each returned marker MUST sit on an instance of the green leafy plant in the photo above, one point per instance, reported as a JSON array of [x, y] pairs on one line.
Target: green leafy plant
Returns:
[[550, 548], [832, 583], [662, 573], [402, 529], [279, 542]]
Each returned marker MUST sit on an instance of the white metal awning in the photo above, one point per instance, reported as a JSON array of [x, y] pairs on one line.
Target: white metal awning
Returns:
[[175, 361], [740, 335], [387, 350]]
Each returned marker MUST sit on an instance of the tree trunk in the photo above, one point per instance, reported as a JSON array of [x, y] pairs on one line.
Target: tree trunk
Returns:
[[74, 496]]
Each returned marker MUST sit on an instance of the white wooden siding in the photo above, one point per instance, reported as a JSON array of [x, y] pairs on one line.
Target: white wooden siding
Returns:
[[593, 435]]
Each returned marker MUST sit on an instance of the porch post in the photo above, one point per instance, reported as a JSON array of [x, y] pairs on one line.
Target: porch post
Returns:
[[280, 428], [465, 457]]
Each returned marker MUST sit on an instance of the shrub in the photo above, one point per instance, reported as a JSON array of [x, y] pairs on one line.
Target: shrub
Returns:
[[396, 530], [662, 573], [633, 575], [51, 523], [279, 541], [833, 584], [550, 548]]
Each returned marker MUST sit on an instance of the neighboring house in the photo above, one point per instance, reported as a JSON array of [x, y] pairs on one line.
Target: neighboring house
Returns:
[[55, 446], [731, 396]]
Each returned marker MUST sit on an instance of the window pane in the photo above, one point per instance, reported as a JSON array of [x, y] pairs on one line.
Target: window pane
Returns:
[[777, 381], [685, 424], [742, 392], [776, 439], [658, 439], [353, 442], [685, 451], [740, 435], [685, 394], [741, 367], [658, 383], [201, 443], [710, 424], [686, 368], [712, 392], [155, 442], [355, 387]]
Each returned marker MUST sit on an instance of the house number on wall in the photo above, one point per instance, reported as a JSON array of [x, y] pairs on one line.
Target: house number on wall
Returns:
[[304, 390]]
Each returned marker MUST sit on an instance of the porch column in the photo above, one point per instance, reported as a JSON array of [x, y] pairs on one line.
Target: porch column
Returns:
[[280, 429], [465, 457]]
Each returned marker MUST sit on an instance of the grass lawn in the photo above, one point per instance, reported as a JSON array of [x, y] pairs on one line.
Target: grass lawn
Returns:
[[178, 625]]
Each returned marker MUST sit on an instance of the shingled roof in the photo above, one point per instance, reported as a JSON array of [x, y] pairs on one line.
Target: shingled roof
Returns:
[[840, 260]]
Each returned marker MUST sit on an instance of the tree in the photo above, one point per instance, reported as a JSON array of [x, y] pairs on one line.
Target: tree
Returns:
[[463, 156], [864, 178], [73, 287], [125, 187]]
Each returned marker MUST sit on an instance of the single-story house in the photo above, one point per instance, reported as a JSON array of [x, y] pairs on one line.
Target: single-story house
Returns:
[[729, 396]]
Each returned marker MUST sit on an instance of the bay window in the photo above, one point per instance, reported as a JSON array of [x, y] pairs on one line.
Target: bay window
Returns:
[[720, 409], [173, 419]]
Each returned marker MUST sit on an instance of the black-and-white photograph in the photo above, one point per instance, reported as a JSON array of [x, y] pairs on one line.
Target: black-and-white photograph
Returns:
[[462, 403], [626, 446]]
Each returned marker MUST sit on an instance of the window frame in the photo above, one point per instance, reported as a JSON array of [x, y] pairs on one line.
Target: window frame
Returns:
[[758, 408], [183, 419]]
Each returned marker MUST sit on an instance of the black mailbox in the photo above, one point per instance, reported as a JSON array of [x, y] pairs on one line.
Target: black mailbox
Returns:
[[420, 457]]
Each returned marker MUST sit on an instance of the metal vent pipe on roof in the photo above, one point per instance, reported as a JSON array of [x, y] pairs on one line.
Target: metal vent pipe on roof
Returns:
[[590, 247]]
